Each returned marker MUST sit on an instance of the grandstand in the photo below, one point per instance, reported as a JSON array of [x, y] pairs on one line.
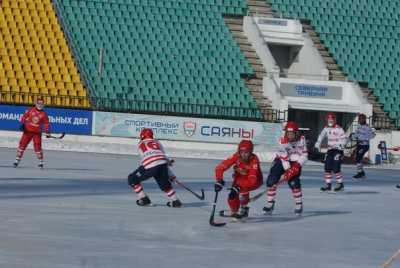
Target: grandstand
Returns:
[[171, 56], [362, 37], [191, 57], [35, 58]]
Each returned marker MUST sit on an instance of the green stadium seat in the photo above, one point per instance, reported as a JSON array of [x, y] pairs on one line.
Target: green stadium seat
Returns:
[[166, 51], [362, 36]]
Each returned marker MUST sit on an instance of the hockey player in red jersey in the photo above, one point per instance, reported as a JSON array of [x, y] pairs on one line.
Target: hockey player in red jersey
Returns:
[[247, 177], [32, 123], [154, 163], [287, 167], [333, 161]]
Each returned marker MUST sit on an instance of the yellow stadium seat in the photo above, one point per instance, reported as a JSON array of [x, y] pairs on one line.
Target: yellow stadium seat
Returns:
[[29, 75], [32, 83], [47, 76], [60, 86], [76, 78], [41, 83], [13, 82], [19, 74], [50, 85], [10, 74], [66, 78], [36, 68], [57, 77], [35, 57], [54, 69]]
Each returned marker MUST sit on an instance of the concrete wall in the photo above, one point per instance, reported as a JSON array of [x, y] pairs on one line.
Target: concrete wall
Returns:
[[309, 63], [113, 145]]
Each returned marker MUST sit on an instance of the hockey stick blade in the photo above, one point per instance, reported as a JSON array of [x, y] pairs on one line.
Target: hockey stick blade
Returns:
[[59, 137], [217, 224], [212, 222], [201, 197]]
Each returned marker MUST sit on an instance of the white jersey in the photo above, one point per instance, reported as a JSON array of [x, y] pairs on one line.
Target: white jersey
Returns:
[[336, 137], [364, 134], [295, 151], [152, 153]]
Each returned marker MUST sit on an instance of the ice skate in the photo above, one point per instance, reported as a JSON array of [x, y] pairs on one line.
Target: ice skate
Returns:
[[326, 188], [175, 204], [359, 175], [144, 201], [339, 188], [269, 208]]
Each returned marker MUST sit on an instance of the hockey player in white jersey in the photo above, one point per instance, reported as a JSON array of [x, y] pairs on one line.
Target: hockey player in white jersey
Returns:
[[154, 163], [362, 135], [287, 166], [333, 160]]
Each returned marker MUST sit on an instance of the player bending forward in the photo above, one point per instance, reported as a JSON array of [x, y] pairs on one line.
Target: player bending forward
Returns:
[[32, 123], [333, 160], [287, 167], [154, 163], [247, 177]]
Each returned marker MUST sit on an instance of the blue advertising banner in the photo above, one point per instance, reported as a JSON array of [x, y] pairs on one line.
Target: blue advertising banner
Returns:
[[186, 129], [61, 120]]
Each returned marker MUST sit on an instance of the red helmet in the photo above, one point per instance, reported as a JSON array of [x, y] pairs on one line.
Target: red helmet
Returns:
[[146, 133], [331, 116], [246, 146], [291, 126]]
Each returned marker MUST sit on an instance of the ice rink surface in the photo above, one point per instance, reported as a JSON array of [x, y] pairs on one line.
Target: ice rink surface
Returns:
[[80, 212]]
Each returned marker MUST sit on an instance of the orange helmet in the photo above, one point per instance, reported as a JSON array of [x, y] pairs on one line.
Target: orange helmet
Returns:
[[146, 133], [246, 146]]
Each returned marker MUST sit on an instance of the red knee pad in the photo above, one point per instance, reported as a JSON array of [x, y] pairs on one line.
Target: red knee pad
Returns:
[[234, 204]]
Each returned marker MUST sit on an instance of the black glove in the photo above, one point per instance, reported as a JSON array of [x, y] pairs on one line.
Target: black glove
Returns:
[[234, 192], [22, 127], [171, 162], [219, 185]]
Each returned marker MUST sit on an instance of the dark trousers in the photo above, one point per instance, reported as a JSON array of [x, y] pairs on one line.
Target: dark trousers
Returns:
[[360, 152], [277, 171], [159, 173], [333, 160]]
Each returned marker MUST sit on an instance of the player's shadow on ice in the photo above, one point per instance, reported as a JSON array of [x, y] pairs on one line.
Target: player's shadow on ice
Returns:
[[292, 217], [359, 192]]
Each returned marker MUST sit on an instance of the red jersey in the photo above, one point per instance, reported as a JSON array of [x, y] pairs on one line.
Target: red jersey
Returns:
[[34, 120], [243, 170], [152, 153]]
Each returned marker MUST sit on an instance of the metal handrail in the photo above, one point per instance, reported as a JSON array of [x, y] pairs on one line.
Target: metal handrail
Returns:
[[147, 107]]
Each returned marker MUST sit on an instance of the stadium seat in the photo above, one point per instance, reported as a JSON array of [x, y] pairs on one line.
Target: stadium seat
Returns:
[[162, 52], [34, 54], [362, 37]]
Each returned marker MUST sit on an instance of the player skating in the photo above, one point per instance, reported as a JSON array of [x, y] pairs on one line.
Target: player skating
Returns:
[[333, 159], [247, 177], [154, 163], [32, 123], [287, 167], [362, 135]]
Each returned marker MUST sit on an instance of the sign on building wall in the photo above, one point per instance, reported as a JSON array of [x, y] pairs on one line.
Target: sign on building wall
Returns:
[[61, 120], [311, 91], [185, 129]]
